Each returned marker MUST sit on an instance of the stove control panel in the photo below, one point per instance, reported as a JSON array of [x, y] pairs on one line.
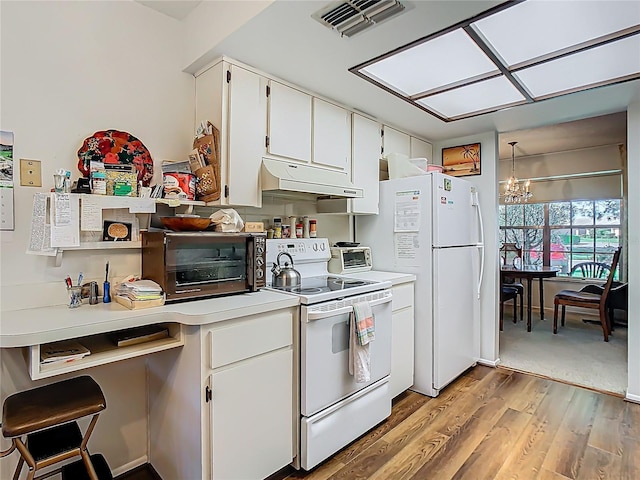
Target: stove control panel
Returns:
[[302, 250]]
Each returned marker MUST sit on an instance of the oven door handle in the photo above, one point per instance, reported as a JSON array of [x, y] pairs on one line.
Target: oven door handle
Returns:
[[320, 314]]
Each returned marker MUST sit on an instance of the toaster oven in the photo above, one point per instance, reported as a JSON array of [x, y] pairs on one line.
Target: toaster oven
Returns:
[[345, 260], [194, 265]]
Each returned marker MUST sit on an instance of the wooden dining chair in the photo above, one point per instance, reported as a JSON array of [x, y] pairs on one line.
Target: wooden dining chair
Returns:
[[509, 252], [506, 294], [588, 300], [590, 270]]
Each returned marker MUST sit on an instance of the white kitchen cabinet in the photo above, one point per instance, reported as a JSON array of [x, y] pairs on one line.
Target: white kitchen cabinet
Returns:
[[223, 408], [402, 338], [233, 99], [395, 141], [290, 116], [331, 135], [366, 144], [421, 149]]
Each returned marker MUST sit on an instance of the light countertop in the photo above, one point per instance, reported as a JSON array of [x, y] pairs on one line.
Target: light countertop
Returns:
[[27, 327], [380, 276]]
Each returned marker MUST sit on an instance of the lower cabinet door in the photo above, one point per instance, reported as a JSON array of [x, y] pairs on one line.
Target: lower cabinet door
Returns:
[[252, 418], [402, 351]]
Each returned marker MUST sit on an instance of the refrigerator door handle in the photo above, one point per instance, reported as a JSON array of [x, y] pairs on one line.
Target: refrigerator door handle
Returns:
[[476, 204]]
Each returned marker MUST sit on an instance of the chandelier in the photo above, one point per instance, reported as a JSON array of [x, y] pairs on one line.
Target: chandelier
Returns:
[[516, 191]]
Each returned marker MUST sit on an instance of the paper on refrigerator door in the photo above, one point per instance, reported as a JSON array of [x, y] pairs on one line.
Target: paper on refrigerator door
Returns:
[[406, 248], [407, 211]]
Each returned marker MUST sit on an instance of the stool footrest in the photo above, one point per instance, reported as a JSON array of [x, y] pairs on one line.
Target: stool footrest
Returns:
[[78, 471], [54, 440]]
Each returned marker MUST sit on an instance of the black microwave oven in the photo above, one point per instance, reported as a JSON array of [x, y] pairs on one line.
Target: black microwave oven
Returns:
[[194, 265]]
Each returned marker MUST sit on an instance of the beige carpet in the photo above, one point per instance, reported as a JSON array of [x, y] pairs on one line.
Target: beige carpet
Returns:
[[577, 354]]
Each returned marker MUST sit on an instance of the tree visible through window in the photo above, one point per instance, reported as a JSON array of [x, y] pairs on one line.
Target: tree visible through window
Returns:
[[563, 234]]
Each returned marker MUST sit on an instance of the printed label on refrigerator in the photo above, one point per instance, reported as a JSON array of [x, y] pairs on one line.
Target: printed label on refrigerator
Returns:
[[407, 211]]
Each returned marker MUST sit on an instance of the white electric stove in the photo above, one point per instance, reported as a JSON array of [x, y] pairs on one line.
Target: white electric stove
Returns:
[[334, 409]]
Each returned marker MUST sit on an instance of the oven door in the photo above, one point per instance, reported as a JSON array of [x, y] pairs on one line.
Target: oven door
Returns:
[[206, 265], [324, 354]]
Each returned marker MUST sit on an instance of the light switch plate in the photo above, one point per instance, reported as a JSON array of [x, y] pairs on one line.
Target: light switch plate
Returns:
[[30, 173]]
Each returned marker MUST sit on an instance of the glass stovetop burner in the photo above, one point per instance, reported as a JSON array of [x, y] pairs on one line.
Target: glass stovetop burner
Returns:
[[322, 284]]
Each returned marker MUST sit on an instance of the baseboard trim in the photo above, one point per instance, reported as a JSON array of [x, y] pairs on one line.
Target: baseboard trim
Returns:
[[130, 466], [630, 397], [489, 363]]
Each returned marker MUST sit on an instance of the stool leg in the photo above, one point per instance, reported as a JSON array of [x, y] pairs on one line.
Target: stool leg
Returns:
[[515, 309], [83, 448], [25, 456]]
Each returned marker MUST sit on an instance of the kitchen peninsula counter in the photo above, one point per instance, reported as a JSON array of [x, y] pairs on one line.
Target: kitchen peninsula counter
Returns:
[[23, 328]]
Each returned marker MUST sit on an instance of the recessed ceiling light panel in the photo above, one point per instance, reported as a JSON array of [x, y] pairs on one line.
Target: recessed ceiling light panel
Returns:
[[518, 52], [533, 29], [480, 97], [584, 70], [444, 60]]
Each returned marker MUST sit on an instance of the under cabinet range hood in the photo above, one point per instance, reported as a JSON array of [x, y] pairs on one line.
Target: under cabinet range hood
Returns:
[[296, 177]]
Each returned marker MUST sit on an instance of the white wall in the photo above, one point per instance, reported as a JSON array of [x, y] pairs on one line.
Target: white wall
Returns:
[[68, 70], [487, 184], [633, 249], [209, 23]]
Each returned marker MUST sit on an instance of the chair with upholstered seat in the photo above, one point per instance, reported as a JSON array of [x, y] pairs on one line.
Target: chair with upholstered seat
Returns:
[[508, 293], [509, 252], [586, 299], [590, 270]]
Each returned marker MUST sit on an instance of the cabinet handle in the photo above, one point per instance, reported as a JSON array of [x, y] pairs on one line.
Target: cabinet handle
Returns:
[[208, 394]]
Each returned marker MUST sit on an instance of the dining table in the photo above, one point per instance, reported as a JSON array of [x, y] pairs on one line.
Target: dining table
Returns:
[[529, 272]]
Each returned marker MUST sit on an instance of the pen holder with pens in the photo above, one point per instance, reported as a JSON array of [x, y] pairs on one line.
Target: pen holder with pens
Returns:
[[75, 296]]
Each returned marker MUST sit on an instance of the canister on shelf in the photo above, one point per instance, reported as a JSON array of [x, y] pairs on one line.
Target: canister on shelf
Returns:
[[298, 230], [312, 228], [305, 227]]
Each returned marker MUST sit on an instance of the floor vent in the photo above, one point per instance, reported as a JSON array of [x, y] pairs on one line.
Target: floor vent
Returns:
[[349, 17]]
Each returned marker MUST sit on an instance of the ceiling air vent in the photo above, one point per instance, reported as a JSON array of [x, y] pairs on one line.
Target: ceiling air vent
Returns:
[[349, 17]]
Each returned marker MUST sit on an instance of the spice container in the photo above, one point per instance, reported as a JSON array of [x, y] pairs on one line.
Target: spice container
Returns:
[[286, 231], [277, 227], [298, 230], [312, 228]]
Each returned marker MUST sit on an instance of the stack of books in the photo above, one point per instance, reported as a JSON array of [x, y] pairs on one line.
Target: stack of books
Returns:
[[139, 294]]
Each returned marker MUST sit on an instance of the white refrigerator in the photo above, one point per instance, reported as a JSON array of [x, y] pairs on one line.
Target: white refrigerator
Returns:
[[430, 226]]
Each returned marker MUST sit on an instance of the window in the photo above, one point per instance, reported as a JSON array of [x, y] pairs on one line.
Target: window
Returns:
[[564, 234]]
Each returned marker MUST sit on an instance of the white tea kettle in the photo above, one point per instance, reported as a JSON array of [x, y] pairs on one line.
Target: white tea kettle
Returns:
[[285, 276]]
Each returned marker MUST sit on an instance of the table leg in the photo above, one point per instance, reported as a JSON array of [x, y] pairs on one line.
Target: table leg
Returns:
[[528, 304], [541, 301]]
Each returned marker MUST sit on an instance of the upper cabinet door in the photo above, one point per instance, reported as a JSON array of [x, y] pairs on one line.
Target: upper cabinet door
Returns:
[[331, 135], [421, 149], [289, 123], [247, 128], [395, 141], [366, 163]]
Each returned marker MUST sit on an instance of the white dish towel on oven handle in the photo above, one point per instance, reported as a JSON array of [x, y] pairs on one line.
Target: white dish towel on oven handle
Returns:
[[359, 356]]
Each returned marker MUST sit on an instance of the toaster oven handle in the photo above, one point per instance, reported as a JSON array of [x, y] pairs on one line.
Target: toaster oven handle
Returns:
[[319, 314]]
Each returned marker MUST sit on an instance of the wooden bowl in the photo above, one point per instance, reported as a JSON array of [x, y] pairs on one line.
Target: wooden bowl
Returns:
[[182, 224]]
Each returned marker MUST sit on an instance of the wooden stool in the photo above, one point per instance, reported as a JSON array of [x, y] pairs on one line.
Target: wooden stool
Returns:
[[47, 417]]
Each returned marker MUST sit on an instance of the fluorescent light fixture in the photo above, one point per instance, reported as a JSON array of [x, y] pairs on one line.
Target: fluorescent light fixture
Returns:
[[589, 68], [518, 52], [480, 97], [411, 71]]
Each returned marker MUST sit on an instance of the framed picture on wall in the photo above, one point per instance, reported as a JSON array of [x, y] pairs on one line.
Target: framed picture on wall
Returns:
[[461, 161]]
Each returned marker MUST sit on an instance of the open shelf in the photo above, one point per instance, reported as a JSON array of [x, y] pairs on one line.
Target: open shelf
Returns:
[[103, 351]]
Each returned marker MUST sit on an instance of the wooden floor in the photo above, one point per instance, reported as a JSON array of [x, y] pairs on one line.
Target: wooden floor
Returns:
[[495, 424]]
